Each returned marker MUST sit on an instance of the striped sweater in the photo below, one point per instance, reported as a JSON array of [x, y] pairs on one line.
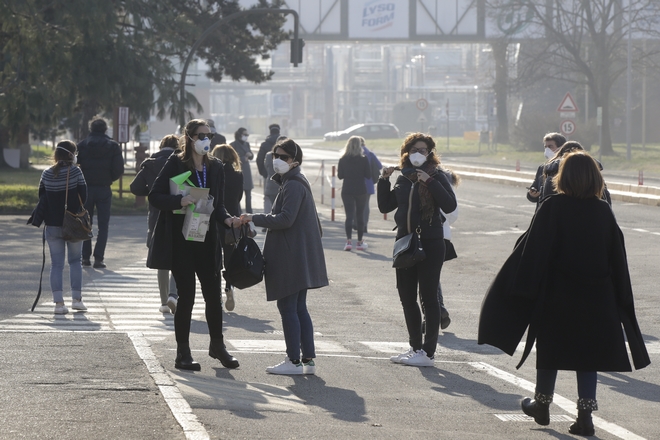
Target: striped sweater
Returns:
[[54, 188]]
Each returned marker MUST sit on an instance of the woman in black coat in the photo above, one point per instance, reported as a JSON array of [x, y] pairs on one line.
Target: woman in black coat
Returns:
[[170, 250], [424, 188], [233, 195], [568, 281], [353, 168]]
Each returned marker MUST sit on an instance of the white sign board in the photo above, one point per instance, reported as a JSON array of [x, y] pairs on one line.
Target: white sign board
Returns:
[[384, 19], [123, 134], [567, 127], [567, 104], [122, 115]]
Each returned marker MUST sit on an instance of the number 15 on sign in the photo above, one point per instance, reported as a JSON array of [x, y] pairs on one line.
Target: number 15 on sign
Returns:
[[567, 127]]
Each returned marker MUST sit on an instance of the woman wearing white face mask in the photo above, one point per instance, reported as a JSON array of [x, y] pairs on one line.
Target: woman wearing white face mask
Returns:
[[242, 147], [294, 257], [424, 190], [169, 249]]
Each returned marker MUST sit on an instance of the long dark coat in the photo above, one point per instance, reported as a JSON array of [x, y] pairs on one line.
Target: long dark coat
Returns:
[[567, 280], [169, 225]]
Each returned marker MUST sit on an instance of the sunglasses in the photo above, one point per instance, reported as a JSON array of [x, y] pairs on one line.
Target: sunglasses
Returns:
[[284, 157], [202, 136]]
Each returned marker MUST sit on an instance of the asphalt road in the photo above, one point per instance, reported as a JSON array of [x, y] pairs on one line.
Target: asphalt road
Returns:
[[472, 393]]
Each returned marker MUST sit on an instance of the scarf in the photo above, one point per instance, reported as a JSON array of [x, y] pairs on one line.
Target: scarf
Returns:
[[426, 206]]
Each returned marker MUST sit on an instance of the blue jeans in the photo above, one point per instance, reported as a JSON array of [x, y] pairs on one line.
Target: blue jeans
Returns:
[[297, 326], [101, 197], [58, 247], [586, 382]]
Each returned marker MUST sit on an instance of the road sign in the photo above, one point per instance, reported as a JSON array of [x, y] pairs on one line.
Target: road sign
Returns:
[[422, 104], [421, 118], [567, 127], [122, 115], [567, 104]]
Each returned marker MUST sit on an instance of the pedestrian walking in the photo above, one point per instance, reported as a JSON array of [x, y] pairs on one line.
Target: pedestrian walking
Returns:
[[233, 195], [567, 284], [101, 162], [354, 169], [170, 250], [242, 147], [266, 147], [62, 186], [292, 270], [375, 165], [422, 190], [140, 186], [218, 138]]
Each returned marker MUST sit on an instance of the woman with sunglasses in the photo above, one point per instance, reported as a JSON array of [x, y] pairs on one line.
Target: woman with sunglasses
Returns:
[[170, 250], [294, 257], [424, 190]]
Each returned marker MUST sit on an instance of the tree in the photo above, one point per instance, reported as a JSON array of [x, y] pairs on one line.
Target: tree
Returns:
[[65, 61], [584, 42]]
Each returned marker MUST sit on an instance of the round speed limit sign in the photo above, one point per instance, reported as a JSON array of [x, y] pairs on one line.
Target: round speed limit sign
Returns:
[[567, 127]]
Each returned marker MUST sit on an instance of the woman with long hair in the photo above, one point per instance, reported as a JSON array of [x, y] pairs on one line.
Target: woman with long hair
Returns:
[[233, 194], [55, 192], [170, 250], [354, 168], [422, 189], [567, 284]]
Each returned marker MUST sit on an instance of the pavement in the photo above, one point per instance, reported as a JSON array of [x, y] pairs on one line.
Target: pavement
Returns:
[[86, 384]]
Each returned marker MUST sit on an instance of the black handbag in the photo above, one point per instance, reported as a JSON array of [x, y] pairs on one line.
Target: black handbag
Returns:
[[246, 264], [408, 249], [75, 226]]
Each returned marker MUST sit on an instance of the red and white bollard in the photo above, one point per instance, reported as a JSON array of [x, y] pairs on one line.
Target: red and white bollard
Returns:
[[640, 178], [332, 199], [517, 165]]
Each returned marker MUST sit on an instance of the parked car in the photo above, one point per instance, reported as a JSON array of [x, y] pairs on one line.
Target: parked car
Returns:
[[367, 131]]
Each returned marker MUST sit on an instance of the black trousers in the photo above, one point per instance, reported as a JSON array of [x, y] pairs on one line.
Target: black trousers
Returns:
[[190, 259], [425, 276]]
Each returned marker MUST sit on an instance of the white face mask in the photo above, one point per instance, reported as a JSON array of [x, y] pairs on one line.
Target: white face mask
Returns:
[[417, 159], [280, 166], [244, 138], [548, 153], [202, 147]]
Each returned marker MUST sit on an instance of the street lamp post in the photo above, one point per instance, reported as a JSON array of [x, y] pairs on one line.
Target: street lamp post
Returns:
[[213, 27]]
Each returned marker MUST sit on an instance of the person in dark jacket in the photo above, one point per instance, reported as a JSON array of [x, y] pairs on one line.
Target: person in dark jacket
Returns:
[[101, 162], [552, 142], [218, 138], [170, 250], [567, 283], [242, 147], [266, 147], [140, 186], [354, 169], [233, 194], [375, 166], [423, 188], [55, 193], [292, 269]]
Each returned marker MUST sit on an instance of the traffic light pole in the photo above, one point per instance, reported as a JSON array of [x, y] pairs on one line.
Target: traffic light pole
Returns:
[[213, 27]]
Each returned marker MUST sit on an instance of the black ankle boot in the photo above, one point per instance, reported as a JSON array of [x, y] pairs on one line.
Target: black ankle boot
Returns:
[[539, 408], [184, 360], [583, 424], [217, 350]]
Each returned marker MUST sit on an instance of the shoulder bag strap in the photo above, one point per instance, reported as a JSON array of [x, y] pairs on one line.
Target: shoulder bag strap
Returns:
[[43, 264], [410, 197], [66, 190]]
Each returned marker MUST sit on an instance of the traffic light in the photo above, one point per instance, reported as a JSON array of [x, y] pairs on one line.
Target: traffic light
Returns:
[[297, 51]]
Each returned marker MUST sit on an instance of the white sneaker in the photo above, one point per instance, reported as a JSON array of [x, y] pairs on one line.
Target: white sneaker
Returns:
[[286, 367], [230, 303], [418, 359], [171, 304], [78, 305], [164, 309], [397, 359], [362, 246], [309, 367], [60, 309], [348, 246]]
